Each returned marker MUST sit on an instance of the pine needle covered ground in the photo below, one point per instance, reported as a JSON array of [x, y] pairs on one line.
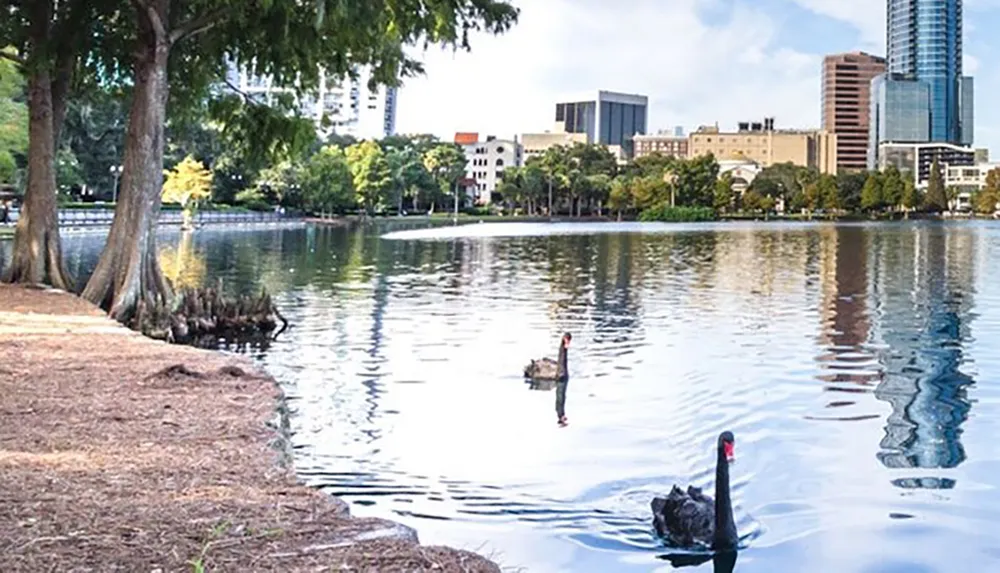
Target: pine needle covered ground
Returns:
[[121, 453]]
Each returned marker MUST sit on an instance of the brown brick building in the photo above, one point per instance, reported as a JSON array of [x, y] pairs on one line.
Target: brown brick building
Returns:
[[668, 145], [846, 104]]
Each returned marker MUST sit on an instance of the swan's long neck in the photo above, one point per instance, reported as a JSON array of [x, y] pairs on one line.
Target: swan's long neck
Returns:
[[726, 536]]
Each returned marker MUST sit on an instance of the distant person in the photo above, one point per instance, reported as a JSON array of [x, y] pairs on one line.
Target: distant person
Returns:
[[562, 379]]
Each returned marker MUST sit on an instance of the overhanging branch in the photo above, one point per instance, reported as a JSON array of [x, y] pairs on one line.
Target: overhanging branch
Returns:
[[197, 25], [241, 93]]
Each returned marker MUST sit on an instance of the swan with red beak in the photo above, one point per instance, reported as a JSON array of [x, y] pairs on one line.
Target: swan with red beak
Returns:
[[691, 518]]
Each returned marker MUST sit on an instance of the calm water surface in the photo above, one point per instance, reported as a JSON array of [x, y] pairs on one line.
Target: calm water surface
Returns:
[[854, 363]]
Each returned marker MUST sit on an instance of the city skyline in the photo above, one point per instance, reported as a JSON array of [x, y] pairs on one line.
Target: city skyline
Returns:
[[769, 53]]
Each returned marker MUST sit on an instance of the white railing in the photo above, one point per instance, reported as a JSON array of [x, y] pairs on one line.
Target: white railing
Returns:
[[103, 217]]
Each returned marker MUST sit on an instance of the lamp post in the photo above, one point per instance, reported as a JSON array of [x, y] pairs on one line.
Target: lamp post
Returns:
[[550, 197], [116, 172]]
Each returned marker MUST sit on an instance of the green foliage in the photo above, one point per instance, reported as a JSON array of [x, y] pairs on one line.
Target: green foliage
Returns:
[[694, 180], [445, 162], [650, 191], [94, 132], [253, 199], [620, 196], [752, 200], [667, 214], [871, 193], [262, 135], [69, 172], [327, 183], [892, 187], [987, 199], [8, 168], [12, 82], [849, 187], [724, 197], [278, 185], [829, 193], [911, 196], [784, 180], [652, 165], [371, 174], [409, 175], [13, 120], [936, 201]]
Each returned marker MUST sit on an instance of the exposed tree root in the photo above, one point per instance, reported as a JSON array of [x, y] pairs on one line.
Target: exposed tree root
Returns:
[[200, 314]]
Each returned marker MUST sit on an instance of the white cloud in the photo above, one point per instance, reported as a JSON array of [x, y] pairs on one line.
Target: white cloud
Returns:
[[868, 16], [693, 72]]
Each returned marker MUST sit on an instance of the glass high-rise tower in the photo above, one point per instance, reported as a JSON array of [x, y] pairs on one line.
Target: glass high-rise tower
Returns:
[[924, 62], [924, 43]]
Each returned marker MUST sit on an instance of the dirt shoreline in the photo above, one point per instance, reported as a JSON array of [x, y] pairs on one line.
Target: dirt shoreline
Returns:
[[121, 453]]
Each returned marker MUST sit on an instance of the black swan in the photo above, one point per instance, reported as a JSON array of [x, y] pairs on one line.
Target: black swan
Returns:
[[689, 518], [547, 368]]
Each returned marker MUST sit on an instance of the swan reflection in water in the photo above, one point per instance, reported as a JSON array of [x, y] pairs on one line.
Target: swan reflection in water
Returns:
[[722, 562]]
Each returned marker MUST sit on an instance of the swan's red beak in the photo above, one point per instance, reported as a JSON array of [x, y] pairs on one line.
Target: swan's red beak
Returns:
[[730, 453]]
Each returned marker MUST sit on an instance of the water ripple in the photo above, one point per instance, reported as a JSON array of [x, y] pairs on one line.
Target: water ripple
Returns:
[[851, 362]]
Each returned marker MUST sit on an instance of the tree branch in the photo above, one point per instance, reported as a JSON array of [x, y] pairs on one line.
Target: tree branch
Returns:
[[197, 25], [154, 18], [241, 93]]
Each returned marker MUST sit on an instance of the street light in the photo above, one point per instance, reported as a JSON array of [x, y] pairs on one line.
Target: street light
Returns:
[[116, 172]]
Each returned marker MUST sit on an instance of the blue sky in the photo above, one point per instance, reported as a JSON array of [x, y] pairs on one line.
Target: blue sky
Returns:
[[699, 62]]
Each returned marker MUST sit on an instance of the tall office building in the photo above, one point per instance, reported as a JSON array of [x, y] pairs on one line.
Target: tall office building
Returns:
[[609, 119], [924, 43], [343, 107], [923, 96], [924, 62], [846, 101]]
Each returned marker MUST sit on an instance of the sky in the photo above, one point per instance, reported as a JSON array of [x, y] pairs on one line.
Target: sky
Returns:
[[700, 62]]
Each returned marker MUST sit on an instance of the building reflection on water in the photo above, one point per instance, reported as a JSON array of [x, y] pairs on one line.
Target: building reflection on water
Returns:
[[923, 334]]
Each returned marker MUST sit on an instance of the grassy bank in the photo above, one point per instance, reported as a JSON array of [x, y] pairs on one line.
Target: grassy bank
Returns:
[[124, 453]]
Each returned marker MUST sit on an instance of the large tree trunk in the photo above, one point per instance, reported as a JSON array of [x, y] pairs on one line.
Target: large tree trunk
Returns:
[[128, 274], [37, 254]]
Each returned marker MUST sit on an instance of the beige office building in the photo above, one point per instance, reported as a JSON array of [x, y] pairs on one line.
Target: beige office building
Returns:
[[761, 143], [533, 144]]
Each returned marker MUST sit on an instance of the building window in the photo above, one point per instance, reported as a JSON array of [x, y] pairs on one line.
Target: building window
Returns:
[[500, 149], [499, 162]]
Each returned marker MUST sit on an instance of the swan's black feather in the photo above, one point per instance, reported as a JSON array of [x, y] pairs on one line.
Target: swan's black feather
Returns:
[[542, 369], [684, 518]]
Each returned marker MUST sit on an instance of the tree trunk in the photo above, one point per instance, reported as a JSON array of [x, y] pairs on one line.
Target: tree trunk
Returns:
[[187, 218], [128, 273], [37, 257], [416, 195]]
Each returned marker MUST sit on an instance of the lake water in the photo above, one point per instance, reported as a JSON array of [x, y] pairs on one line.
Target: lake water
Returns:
[[852, 362]]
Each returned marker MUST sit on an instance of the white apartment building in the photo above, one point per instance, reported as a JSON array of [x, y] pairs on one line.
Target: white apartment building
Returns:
[[968, 177], [345, 107], [486, 162]]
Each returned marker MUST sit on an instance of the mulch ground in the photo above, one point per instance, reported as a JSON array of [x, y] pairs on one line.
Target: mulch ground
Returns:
[[120, 453]]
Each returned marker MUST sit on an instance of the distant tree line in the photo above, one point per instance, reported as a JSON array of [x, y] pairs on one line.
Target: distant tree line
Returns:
[[586, 179]]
